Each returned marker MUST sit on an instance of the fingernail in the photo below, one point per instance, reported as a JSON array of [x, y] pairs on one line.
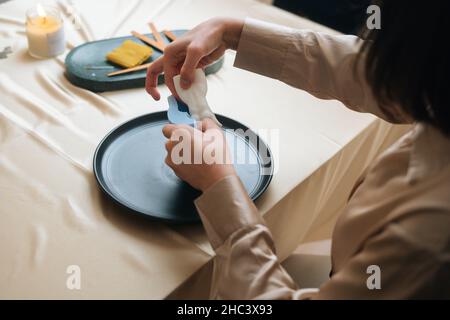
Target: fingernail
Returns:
[[185, 83]]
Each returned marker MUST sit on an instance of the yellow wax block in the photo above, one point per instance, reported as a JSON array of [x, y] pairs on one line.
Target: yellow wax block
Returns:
[[129, 54]]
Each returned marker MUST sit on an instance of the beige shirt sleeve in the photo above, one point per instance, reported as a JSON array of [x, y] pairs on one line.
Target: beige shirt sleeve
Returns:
[[322, 64], [246, 265]]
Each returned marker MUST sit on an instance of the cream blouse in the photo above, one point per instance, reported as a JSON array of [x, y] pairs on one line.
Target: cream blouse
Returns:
[[397, 218]]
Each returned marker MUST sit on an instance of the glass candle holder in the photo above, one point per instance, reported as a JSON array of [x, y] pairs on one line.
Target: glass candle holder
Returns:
[[45, 32]]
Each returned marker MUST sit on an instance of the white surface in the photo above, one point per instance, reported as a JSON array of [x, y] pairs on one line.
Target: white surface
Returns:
[[52, 214]]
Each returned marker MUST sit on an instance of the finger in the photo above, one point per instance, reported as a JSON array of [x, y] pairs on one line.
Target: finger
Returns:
[[194, 54], [172, 64], [168, 161], [169, 129], [151, 80], [169, 73], [169, 145], [207, 124]]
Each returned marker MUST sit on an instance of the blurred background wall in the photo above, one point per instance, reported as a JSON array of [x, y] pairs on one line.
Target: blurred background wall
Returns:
[[346, 16]]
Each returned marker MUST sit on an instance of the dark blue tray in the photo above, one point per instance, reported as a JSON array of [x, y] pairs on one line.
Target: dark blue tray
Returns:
[[87, 67]]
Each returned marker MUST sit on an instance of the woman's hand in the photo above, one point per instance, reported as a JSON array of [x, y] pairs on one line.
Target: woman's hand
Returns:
[[198, 156], [196, 49]]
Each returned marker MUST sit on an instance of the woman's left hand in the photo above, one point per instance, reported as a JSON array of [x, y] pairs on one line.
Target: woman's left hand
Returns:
[[198, 156]]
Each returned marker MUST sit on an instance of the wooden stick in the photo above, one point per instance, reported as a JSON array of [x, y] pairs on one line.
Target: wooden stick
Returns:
[[147, 40], [170, 35], [157, 35], [128, 70]]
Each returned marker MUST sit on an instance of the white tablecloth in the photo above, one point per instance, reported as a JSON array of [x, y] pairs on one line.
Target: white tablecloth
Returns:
[[52, 214]]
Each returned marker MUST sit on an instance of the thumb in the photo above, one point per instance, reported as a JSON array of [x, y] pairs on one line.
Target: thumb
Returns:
[[207, 124]]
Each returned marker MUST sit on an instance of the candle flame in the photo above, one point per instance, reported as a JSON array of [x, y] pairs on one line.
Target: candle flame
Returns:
[[40, 11]]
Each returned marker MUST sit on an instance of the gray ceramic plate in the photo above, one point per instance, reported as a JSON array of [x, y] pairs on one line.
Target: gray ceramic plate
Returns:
[[129, 167], [86, 66]]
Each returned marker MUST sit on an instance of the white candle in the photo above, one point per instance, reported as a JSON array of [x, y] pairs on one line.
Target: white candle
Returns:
[[45, 32]]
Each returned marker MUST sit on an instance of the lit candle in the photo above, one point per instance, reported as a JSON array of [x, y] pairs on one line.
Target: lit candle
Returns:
[[45, 32]]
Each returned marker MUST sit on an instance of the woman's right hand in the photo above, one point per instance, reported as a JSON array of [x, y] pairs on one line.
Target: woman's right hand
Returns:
[[197, 48]]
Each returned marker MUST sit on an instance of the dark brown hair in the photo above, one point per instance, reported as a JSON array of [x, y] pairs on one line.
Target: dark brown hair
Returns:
[[408, 60]]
